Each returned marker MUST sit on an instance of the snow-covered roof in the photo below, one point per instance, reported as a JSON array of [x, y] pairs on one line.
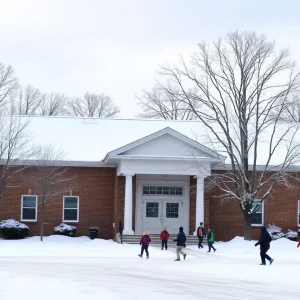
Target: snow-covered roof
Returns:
[[87, 141], [90, 139]]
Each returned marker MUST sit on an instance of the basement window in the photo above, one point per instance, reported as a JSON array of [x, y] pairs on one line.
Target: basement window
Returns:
[[257, 219]]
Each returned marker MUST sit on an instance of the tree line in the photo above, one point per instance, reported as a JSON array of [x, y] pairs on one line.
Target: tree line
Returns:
[[16, 99]]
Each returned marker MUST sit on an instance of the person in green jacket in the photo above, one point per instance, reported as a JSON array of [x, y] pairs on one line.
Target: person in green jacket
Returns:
[[211, 239]]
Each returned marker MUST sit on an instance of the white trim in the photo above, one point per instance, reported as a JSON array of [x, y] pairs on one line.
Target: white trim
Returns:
[[63, 213], [160, 157], [36, 208], [271, 168], [262, 214], [62, 163], [298, 213]]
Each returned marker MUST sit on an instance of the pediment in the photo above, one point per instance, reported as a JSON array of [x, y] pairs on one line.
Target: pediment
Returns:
[[165, 146], [166, 143]]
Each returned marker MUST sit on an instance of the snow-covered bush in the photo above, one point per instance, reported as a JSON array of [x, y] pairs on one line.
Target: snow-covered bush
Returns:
[[292, 235], [12, 229], [275, 232], [64, 229]]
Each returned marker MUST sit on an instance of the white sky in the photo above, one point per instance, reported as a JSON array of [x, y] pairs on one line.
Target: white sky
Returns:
[[115, 46]]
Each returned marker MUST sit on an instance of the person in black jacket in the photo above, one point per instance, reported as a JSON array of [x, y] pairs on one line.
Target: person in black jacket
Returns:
[[181, 239], [264, 242], [200, 234]]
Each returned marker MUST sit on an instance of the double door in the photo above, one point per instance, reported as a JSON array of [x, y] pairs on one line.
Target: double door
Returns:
[[159, 214]]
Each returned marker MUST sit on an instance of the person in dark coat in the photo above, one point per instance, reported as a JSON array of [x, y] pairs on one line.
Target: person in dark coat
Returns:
[[264, 242], [181, 239], [144, 242], [200, 234], [164, 236]]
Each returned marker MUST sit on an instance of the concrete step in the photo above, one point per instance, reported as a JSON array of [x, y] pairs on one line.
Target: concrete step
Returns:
[[155, 239]]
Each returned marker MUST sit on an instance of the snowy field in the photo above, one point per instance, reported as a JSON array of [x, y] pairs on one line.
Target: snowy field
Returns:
[[78, 268]]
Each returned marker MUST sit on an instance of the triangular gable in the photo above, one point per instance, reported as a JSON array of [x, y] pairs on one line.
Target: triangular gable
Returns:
[[169, 137]]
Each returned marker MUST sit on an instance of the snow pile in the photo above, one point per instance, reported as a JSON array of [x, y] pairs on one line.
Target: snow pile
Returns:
[[293, 235], [65, 229], [11, 223], [275, 232]]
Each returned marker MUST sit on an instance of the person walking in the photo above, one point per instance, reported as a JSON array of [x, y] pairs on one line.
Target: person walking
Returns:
[[264, 242], [164, 236], [181, 239], [211, 240], [144, 242], [200, 234]]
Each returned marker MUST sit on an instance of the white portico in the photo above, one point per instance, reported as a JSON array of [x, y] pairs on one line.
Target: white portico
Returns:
[[162, 163]]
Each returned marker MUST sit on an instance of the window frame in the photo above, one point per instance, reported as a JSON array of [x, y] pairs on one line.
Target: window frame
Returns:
[[298, 213], [262, 213], [158, 208], [169, 187], [63, 212], [36, 208]]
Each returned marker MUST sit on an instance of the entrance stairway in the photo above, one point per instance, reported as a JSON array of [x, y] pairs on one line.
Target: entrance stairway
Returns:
[[155, 240]]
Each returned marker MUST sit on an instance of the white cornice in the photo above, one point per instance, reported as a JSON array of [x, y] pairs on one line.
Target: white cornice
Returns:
[[63, 163]]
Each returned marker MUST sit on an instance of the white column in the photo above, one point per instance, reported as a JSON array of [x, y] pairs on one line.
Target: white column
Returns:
[[128, 205], [199, 202]]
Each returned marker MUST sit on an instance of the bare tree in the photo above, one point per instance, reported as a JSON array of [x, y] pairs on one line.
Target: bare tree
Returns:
[[8, 84], [165, 101], [93, 105], [240, 81], [48, 178], [27, 101], [53, 104], [15, 148], [289, 111]]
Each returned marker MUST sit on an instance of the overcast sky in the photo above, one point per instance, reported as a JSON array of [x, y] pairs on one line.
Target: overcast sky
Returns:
[[115, 47]]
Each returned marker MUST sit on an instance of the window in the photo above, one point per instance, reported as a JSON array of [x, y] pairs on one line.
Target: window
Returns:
[[151, 210], [172, 210], [29, 208], [257, 219], [298, 215], [162, 190], [71, 209]]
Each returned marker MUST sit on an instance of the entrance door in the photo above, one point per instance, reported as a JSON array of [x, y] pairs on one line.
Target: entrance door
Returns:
[[172, 215], [158, 214]]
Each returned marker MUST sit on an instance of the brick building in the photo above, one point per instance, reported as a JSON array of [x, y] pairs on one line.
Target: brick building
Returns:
[[155, 178]]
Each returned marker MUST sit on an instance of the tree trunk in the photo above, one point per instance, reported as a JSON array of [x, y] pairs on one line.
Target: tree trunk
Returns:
[[42, 221], [247, 227]]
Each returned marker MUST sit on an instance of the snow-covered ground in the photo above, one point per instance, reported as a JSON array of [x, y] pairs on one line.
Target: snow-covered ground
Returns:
[[79, 268]]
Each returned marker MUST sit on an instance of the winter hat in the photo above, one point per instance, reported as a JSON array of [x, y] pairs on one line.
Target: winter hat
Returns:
[[181, 229], [201, 223]]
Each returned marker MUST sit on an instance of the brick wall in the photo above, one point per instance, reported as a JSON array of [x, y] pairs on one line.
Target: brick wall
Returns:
[[281, 209], [101, 203], [95, 188]]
